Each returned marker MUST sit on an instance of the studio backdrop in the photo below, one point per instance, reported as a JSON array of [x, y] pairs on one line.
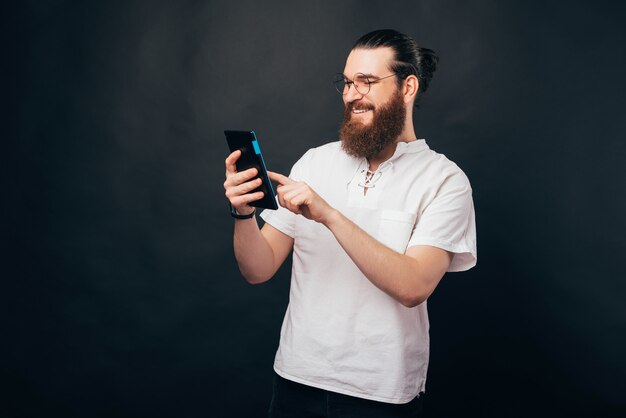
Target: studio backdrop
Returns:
[[123, 297]]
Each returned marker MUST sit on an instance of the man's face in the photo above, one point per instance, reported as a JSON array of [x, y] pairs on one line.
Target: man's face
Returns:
[[374, 120]]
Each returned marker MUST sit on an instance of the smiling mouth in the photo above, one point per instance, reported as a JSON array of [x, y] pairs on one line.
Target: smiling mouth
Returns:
[[359, 111]]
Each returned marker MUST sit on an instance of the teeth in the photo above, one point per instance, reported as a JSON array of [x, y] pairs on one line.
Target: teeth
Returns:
[[359, 111]]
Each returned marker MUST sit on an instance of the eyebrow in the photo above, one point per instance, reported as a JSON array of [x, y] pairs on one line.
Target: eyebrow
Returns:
[[365, 75]]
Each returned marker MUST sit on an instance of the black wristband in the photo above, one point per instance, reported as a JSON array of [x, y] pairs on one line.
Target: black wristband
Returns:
[[235, 215]]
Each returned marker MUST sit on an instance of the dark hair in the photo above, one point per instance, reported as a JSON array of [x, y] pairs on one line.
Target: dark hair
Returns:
[[409, 58]]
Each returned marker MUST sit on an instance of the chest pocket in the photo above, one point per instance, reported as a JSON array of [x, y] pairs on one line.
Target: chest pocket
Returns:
[[395, 229]]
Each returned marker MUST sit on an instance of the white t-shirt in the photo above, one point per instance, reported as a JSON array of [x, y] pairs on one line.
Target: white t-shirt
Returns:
[[340, 332]]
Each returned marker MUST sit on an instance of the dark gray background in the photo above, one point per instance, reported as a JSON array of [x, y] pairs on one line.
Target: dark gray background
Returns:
[[123, 296]]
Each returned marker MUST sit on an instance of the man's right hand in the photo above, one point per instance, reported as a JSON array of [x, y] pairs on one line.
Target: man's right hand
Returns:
[[238, 185]]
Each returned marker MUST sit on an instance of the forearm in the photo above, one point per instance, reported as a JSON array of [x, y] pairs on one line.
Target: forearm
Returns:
[[254, 255], [396, 274], [408, 278]]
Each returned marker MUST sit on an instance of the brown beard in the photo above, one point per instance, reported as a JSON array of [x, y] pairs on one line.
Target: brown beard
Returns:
[[367, 141]]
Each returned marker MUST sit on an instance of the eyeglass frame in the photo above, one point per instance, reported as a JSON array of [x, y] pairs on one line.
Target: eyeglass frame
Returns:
[[351, 82]]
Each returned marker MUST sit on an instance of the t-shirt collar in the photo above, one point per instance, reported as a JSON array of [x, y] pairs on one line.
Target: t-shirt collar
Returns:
[[409, 148]]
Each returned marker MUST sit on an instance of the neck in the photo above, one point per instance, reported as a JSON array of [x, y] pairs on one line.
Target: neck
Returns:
[[407, 135]]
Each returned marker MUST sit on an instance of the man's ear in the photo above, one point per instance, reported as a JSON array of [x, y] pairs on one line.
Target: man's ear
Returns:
[[411, 87]]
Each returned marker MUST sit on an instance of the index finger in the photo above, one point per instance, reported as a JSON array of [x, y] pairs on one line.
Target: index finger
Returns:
[[279, 178], [231, 160]]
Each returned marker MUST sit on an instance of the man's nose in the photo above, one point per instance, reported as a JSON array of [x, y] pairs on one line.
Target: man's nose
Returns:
[[352, 94]]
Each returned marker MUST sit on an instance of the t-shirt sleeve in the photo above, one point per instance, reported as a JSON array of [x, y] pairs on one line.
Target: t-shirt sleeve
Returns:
[[283, 219], [448, 222]]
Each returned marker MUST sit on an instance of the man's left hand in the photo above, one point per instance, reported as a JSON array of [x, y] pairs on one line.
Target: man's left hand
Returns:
[[301, 199]]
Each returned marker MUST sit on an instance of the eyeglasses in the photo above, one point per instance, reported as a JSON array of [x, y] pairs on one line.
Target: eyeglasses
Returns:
[[362, 83]]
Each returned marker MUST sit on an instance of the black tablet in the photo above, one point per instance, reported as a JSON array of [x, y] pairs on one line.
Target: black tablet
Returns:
[[251, 156]]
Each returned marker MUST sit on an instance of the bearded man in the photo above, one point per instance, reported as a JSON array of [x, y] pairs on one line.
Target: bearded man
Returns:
[[374, 222]]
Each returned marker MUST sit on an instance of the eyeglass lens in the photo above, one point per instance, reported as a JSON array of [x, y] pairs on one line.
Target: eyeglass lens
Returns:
[[360, 81]]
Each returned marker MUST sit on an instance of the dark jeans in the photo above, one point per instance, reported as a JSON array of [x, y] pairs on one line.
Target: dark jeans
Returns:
[[291, 399]]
